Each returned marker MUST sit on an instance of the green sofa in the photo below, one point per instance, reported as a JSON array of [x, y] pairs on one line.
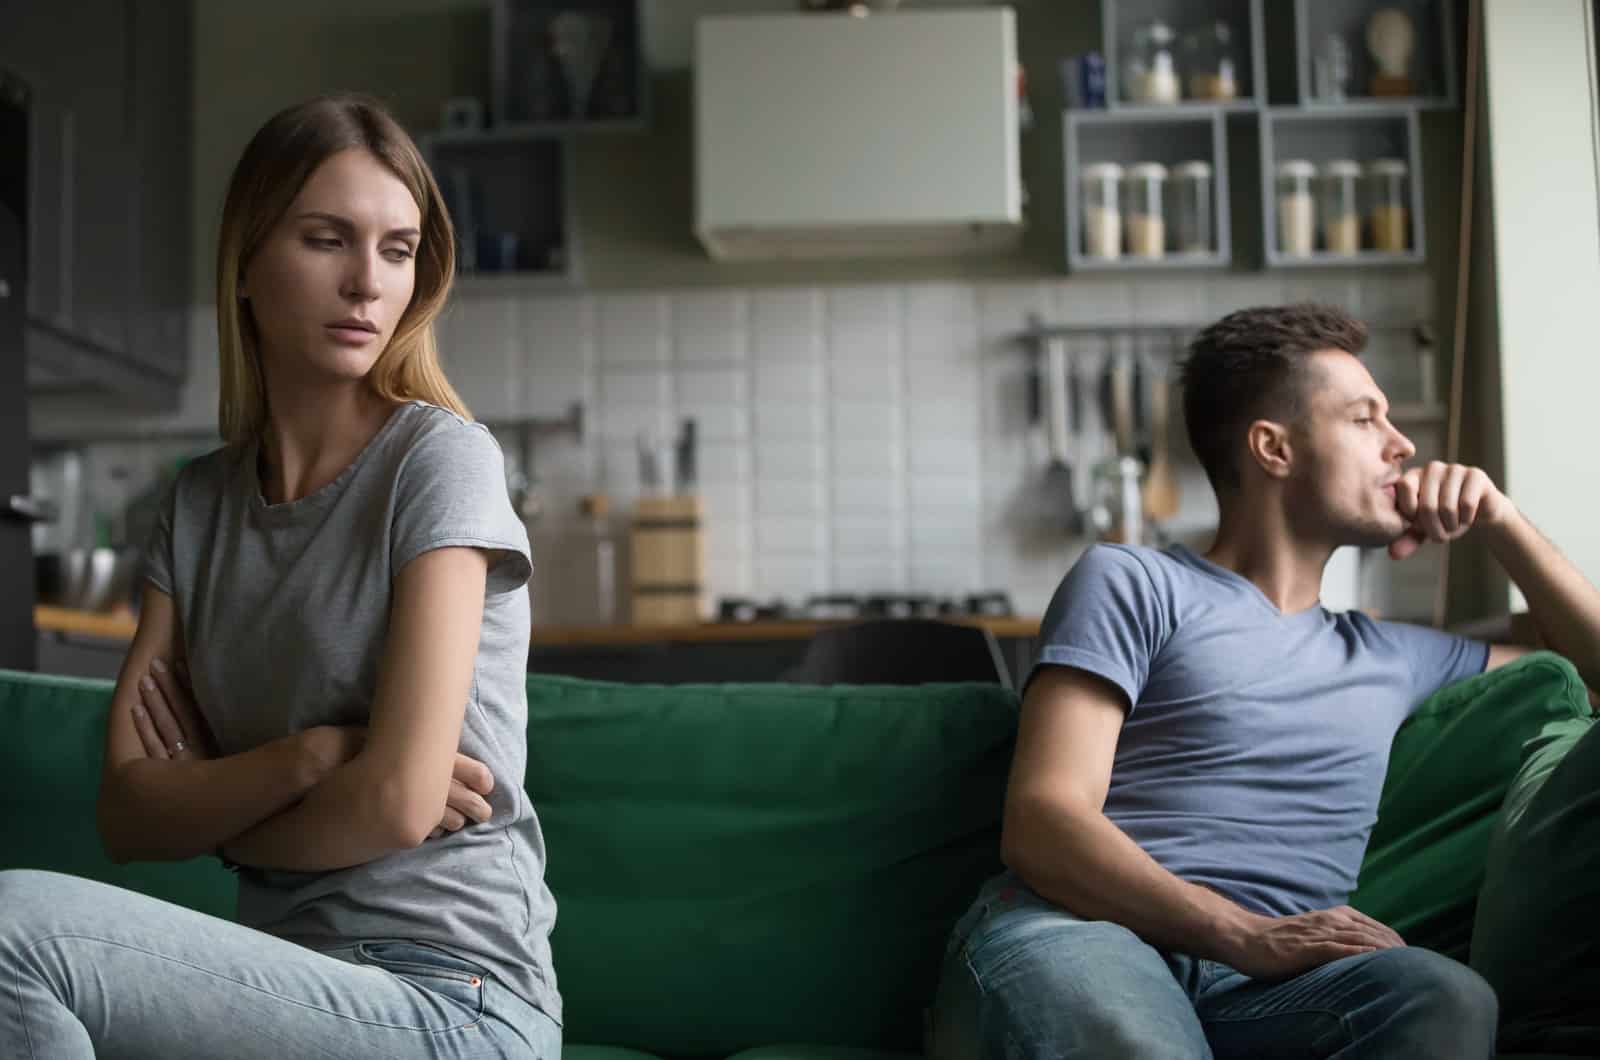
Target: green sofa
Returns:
[[769, 871]]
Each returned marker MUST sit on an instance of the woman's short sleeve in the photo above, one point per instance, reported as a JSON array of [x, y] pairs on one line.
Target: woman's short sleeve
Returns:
[[157, 558], [452, 492]]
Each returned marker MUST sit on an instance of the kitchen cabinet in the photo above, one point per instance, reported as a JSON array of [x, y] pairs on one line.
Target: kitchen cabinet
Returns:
[[108, 185]]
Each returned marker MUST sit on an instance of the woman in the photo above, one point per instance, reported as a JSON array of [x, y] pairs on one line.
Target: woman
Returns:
[[334, 606]]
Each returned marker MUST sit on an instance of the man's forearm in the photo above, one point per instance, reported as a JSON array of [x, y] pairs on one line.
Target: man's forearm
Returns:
[[341, 822], [1564, 605], [1086, 864], [160, 810]]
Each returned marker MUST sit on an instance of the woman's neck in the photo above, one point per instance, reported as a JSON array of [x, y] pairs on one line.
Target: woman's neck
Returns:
[[312, 434]]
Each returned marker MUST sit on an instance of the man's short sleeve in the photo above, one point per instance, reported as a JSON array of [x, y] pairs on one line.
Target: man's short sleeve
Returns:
[[1106, 618], [452, 492], [1437, 658]]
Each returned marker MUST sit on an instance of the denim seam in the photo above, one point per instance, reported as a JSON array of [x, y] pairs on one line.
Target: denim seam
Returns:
[[1338, 1017], [247, 986], [22, 1014]]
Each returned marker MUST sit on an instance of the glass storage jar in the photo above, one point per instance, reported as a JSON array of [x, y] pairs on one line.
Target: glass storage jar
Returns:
[[1102, 210], [1149, 74], [1191, 207], [1210, 65], [1147, 223], [1388, 218], [1297, 210], [1341, 216]]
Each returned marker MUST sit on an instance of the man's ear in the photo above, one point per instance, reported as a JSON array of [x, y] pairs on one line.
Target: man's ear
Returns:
[[1268, 442]]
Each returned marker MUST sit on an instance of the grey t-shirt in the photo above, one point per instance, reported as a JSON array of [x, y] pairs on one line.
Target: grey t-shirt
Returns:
[[284, 610], [1254, 751]]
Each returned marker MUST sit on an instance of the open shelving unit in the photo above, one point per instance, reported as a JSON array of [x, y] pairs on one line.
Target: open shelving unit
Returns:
[[1166, 135], [1362, 133], [510, 196], [1277, 115]]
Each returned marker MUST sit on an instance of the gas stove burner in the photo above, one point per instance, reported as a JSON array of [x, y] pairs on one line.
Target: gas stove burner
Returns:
[[835, 607]]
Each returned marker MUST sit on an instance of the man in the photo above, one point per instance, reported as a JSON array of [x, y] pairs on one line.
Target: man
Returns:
[[1202, 746]]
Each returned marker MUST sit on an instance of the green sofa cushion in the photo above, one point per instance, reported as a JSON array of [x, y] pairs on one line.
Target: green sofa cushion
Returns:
[[601, 1052], [818, 1052], [1536, 938], [737, 865], [1449, 770], [51, 765]]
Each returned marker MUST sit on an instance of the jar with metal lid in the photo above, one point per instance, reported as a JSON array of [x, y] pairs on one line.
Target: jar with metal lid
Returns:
[[1388, 218], [1297, 210], [1191, 207], [1209, 62], [1149, 73], [1102, 211], [1147, 224], [1341, 215]]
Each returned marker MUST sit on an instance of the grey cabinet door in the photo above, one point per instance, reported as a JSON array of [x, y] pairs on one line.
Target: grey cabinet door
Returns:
[[108, 219], [160, 86], [102, 196], [33, 38]]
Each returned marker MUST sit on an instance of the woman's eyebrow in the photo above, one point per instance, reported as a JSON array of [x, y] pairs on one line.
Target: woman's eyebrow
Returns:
[[345, 224]]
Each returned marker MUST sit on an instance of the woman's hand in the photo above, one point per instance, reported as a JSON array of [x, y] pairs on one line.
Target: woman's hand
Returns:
[[470, 781], [166, 719]]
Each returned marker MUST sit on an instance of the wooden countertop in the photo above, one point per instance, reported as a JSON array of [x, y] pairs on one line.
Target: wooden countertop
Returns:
[[119, 625]]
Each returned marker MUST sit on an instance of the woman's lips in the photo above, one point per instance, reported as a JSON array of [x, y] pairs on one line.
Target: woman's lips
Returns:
[[351, 336]]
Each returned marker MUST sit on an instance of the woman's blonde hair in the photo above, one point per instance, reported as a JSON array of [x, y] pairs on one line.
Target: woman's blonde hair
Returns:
[[277, 162]]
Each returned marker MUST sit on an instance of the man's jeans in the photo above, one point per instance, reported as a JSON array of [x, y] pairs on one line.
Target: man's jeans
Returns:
[[89, 969], [1023, 978]]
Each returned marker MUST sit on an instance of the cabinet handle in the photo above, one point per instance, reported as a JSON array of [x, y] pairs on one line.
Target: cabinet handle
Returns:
[[20, 507]]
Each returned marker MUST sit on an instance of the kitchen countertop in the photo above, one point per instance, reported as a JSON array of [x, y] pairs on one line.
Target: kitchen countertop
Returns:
[[120, 625]]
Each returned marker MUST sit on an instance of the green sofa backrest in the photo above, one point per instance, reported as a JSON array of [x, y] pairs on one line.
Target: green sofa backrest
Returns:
[[49, 777], [738, 865], [734, 865]]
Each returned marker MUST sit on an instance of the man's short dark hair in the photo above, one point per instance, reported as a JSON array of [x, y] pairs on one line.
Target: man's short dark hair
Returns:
[[1253, 364]]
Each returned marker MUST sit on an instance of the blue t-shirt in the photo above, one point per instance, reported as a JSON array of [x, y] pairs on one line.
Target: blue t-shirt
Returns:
[[1255, 748]]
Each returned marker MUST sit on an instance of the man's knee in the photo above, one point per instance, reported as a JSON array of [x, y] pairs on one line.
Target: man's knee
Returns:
[[1442, 1005], [1059, 987]]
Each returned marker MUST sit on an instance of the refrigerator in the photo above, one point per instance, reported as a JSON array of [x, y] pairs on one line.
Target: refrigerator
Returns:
[[18, 511]]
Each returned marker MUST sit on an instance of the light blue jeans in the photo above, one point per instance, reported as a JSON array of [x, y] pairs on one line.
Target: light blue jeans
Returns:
[[87, 969], [1023, 978]]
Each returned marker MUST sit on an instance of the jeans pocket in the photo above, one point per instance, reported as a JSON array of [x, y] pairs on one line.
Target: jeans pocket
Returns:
[[435, 970]]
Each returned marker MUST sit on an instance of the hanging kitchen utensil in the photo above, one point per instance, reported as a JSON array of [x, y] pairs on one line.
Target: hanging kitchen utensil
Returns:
[[1122, 400], [1160, 495], [1059, 496]]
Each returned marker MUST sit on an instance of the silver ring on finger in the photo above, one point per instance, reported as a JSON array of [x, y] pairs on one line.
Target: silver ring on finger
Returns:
[[179, 747]]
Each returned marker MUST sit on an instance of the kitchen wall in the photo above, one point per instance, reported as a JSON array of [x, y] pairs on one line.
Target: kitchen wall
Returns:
[[863, 423], [855, 438]]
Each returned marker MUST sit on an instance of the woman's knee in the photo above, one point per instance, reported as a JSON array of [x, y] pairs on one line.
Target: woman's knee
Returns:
[[36, 901], [25, 890]]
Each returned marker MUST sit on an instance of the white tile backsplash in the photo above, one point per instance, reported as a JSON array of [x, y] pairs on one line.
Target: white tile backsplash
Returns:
[[853, 420], [779, 381], [786, 325], [853, 439], [709, 327], [634, 329], [557, 335]]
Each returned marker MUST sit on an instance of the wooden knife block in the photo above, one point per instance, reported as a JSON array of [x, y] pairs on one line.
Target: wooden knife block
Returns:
[[668, 561]]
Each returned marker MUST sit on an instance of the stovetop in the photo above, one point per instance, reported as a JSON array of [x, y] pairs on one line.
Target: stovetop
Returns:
[[849, 606]]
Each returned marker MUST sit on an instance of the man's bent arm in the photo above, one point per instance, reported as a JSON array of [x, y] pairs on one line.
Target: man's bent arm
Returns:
[[1058, 839], [1562, 602]]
